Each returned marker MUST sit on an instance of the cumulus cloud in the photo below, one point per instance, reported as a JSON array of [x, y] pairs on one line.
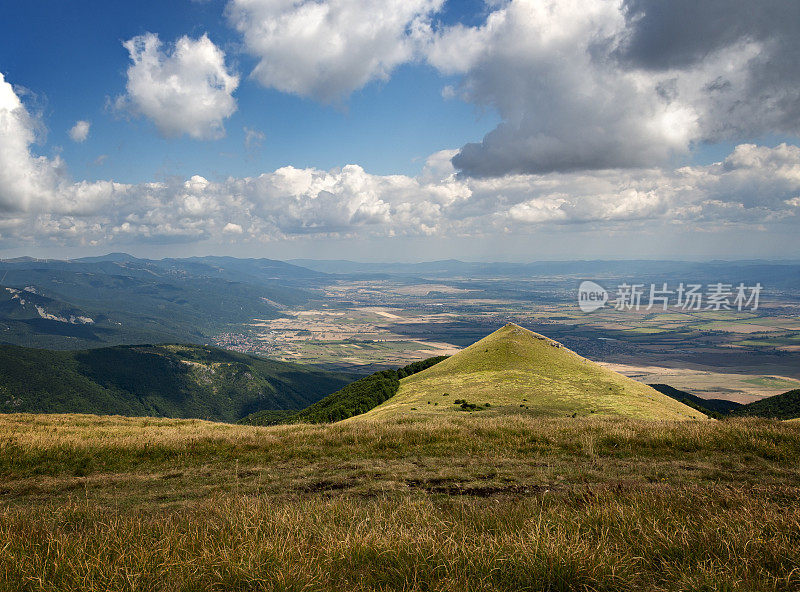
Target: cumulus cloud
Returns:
[[682, 33], [753, 96], [290, 203], [578, 84], [593, 84], [754, 187], [232, 228], [34, 184], [565, 105], [80, 131], [24, 178], [327, 49], [185, 88]]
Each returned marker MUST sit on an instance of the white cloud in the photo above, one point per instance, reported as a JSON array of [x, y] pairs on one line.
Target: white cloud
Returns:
[[579, 84], [327, 49], [737, 97], [291, 203], [35, 184], [185, 89], [232, 228], [80, 131], [565, 106], [755, 187], [593, 84], [25, 180]]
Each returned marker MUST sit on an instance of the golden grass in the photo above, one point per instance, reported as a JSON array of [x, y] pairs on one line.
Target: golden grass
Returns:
[[462, 502], [58, 456], [635, 540]]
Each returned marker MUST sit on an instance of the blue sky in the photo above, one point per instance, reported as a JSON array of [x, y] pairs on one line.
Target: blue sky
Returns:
[[74, 61], [478, 129]]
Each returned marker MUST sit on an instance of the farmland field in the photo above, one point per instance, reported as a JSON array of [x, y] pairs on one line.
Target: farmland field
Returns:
[[363, 325]]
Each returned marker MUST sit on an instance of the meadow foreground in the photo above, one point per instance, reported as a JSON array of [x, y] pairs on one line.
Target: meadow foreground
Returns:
[[458, 503]]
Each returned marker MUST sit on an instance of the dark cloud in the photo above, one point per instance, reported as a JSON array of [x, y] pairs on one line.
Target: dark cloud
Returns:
[[592, 85], [522, 149], [681, 34]]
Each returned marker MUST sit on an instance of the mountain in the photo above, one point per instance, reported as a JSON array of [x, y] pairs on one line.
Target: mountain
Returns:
[[516, 370], [776, 275], [117, 298], [114, 257], [783, 406], [156, 380], [714, 407]]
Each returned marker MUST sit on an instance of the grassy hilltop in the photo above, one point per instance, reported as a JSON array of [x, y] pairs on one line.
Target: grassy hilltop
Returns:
[[515, 370]]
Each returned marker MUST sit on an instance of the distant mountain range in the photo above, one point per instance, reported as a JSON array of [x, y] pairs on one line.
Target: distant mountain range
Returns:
[[776, 274], [118, 298]]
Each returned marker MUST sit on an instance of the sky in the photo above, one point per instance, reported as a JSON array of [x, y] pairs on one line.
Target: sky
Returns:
[[401, 130]]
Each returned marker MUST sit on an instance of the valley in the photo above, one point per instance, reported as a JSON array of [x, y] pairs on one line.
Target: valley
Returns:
[[359, 318], [359, 325]]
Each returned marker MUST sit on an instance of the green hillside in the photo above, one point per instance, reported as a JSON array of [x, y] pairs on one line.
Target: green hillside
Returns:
[[716, 408], [783, 406], [179, 381], [516, 370], [354, 399]]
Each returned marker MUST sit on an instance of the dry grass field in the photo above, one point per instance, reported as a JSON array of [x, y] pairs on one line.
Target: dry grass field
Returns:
[[460, 502]]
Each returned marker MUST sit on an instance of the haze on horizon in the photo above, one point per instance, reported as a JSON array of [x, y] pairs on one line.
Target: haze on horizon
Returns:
[[518, 130]]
